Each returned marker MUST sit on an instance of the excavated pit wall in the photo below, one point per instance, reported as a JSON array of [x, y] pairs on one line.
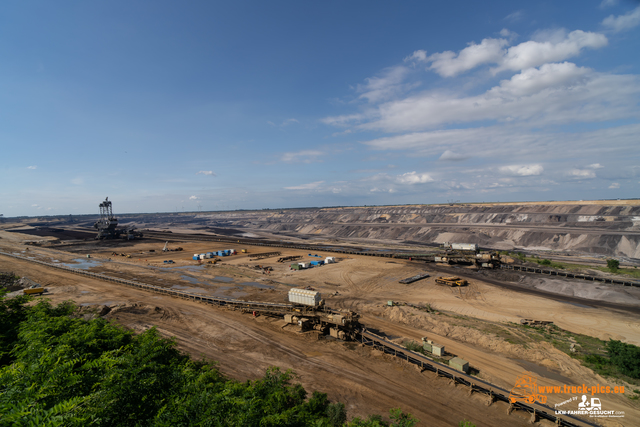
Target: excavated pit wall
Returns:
[[596, 229], [592, 227]]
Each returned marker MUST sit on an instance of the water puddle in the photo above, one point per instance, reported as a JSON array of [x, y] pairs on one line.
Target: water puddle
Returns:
[[257, 285], [192, 268], [192, 280], [223, 279], [226, 291], [83, 264], [542, 371]]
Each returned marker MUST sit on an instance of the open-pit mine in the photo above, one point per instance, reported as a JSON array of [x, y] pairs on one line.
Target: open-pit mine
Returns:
[[451, 312]]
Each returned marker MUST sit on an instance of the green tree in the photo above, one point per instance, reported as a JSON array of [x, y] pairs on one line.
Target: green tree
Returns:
[[625, 357], [613, 265], [62, 370]]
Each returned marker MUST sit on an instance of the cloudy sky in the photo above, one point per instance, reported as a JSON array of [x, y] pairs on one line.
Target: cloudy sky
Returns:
[[253, 104]]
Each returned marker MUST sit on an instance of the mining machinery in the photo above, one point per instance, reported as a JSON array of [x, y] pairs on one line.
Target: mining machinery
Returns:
[[107, 225]]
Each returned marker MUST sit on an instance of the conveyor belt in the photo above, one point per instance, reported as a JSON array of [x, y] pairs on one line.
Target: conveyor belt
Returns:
[[474, 384]]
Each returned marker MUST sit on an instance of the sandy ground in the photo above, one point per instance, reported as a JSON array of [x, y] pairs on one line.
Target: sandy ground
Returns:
[[365, 380]]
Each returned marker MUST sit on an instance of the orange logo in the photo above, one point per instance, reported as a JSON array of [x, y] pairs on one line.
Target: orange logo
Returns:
[[526, 390]]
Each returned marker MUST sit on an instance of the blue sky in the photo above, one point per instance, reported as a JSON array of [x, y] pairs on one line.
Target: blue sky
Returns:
[[251, 105]]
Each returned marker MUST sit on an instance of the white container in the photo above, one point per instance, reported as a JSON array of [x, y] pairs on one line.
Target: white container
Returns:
[[303, 264], [202, 256], [329, 260], [461, 246], [304, 297]]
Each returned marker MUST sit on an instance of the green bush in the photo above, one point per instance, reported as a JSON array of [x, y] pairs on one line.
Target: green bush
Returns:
[[625, 357], [59, 370], [613, 265], [545, 262]]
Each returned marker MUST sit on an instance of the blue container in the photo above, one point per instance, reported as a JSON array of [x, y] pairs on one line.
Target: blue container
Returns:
[[195, 257]]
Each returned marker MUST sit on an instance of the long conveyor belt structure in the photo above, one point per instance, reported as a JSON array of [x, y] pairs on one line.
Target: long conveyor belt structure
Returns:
[[475, 384]]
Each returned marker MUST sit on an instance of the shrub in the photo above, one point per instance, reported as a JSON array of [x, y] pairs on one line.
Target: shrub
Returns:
[[613, 265]]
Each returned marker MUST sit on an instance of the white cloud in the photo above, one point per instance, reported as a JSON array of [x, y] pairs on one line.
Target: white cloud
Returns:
[[535, 53], [343, 120], [385, 86], [496, 141], [549, 46], [552, 94], [623, 22], [208, 173], [515, 16], [505, 32], [582, 173], [414, 178], [535, 80], [595, 166], [310, 186], [450, 156], [304, 156], [614, 185], [608, 3], [522, 170], [193, 198], [418, 55], [35, 205], [284, 123], [32, 167], [448, 64]]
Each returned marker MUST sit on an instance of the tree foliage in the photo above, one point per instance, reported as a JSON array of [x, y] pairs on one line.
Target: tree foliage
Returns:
[[613, 265], [625, 357], [57, 369]]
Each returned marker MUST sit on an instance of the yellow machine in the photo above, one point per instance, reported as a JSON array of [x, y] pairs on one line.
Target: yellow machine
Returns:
[[451, 281], [33, 291]]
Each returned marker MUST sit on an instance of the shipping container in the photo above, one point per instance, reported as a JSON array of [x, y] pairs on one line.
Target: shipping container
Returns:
[[459, 364], [461, 246], [316, 263], [437, 349], [296, 266], [329, 260], [304, 297], [196, 257]]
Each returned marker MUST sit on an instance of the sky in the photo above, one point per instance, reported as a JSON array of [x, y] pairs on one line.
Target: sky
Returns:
[[167, 106]]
